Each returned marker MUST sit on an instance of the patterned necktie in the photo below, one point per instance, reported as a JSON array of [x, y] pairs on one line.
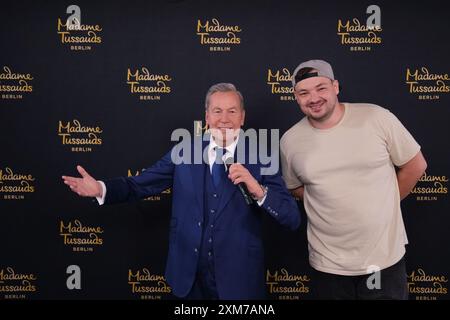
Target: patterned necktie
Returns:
[[218, 168]]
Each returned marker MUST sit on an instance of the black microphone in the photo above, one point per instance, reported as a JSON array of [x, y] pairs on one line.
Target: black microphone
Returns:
[[241, 186]]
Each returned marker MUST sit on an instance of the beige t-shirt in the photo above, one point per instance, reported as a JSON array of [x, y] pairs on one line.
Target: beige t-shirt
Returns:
[[351, 193]]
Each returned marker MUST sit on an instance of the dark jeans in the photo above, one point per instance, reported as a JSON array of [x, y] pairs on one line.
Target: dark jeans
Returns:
[[327, 286]]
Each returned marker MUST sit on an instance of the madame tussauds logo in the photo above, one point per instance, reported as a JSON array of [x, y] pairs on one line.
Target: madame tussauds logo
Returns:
[[429, 187], [280, 84], [286, 286], [14, 186], [358, 36], [147, 285], [15, 285], [150, 198], [75, 34], [79, 137], [79, 236], [218, 36], [149, 86], [425, 84], [425, 286], [14, 85]]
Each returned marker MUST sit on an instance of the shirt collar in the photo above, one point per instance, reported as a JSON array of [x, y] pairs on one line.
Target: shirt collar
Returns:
[[231, 148]]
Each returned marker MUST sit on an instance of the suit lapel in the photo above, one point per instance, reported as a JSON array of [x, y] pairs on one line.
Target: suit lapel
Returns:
[[198, 179], [228, 187]]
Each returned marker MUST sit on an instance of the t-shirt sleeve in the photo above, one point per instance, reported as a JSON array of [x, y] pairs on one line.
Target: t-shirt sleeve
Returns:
[[288, 169], [401, 145]]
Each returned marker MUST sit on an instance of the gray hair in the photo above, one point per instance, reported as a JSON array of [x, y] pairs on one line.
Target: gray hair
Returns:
[[223, 87]]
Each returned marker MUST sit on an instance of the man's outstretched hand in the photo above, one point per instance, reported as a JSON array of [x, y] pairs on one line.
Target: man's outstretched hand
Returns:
[[86, 186]]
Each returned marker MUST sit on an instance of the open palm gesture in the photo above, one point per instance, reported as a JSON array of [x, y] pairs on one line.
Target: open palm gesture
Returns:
[[86, 186]]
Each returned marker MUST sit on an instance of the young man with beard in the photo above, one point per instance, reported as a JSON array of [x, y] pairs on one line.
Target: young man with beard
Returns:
[[341, 160]]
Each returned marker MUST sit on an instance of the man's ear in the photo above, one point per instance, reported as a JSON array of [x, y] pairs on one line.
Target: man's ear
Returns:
[[296, 97], [206, 118], [336, 86]]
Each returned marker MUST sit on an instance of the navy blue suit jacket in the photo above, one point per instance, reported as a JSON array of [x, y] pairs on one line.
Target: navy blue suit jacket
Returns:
[[238, 249]]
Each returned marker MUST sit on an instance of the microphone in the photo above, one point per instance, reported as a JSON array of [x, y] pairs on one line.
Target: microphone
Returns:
[[241, 186]]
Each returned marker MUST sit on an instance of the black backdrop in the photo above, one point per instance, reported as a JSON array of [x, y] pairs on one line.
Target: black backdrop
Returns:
[[46, 84]]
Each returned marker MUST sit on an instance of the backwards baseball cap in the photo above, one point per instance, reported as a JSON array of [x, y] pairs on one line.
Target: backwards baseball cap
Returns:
[[321, 69]]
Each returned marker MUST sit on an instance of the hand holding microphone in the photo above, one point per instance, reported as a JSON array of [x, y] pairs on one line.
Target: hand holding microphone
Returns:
[[247, 184]]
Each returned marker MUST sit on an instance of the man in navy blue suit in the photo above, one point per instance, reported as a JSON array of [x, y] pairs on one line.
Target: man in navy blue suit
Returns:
[[215, 243]]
